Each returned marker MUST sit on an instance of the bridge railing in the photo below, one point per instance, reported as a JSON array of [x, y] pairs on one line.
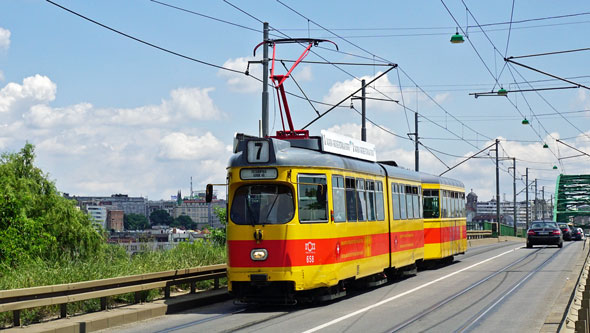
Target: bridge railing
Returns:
[[16, 300], [477, 234]]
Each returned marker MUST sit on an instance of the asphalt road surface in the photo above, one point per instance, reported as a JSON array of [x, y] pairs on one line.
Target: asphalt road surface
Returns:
[[503, 287]]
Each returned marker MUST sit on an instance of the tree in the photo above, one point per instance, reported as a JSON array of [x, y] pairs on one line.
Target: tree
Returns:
[[184, 221], [219, 235], [35, 220], [135, 222], [160, 217]]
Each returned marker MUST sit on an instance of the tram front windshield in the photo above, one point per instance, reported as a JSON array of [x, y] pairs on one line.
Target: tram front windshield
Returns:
[[262, 204]]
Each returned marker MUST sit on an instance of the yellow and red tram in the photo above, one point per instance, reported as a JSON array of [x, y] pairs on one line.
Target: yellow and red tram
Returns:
[[304, 222]]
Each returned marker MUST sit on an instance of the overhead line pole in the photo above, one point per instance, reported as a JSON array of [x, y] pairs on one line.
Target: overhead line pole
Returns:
[[349, 96], [535, 198], [498, 190], [514, 190], [417, 153], [265, 81], [527, 198], [364, 112], [543, 202]]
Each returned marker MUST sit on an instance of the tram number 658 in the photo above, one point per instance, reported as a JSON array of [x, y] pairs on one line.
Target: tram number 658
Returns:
[[310, 259]]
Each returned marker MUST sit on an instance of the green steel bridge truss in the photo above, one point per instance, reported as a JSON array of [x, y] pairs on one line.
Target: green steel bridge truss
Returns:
[[572, 194]]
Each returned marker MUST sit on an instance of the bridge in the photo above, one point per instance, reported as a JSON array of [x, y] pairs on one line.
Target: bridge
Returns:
[[572, 195]]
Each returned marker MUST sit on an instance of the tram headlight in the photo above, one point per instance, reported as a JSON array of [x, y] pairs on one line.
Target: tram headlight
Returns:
[[258, 254]]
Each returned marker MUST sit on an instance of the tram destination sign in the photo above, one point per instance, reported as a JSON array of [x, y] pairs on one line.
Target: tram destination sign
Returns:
[[259, 173], [343, 145]]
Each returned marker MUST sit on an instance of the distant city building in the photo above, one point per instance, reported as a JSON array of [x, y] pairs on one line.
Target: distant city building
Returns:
[[471, 206], [115, 220], [99, 214], [199, 210], [167, 205], [129, 205], [485, 211], [154, 239]]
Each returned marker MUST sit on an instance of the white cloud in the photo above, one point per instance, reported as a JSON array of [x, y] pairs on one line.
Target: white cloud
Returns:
[[194, 103], [241, 82], [4, 38], [304, 74], [34, 90], [43, 116], [179, 146], [32, 99]]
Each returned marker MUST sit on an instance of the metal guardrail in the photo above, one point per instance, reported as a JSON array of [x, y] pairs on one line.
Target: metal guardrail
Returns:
[[477, 234], [578, 311], [19, 299]]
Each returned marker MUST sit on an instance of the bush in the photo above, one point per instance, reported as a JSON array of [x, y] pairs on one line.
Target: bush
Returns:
[[35, 220]]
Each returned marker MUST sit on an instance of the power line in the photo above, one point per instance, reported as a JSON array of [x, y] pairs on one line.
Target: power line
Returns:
[[447, 33], [449, 27], [366, 51], [206, 16], [143, 41]]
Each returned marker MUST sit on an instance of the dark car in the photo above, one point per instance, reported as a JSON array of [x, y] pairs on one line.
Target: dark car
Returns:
[[544, 233], [576, 234], [565, 231]]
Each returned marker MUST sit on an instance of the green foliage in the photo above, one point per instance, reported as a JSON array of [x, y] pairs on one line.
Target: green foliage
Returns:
[[160, 217], [35, 220], [111, 261], [218, 235], [135, 222], [184, 222]]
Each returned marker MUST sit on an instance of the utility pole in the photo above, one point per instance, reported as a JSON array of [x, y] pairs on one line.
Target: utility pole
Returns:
[[543, 203], [265, 81], [364, 113], [535, 198], [417, 153], [497, 189], [514, 189], [527, 198]]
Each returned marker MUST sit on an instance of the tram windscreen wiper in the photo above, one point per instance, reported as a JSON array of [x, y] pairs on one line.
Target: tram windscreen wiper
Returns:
[[270, 209]]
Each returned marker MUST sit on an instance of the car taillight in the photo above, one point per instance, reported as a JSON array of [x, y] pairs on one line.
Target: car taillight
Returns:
[[557, 232], [531, 232]]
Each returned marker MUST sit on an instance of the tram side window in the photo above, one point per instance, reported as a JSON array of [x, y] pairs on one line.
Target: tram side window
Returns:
[[416, 202], [459, 205], [312, 198], [370, 200], [420, 202], [402, 202], [409, 202], [431, 204], [395, 201], [351, 199], [452, 204], [361, 200], [444, 203], [338, 199], [379, 201]]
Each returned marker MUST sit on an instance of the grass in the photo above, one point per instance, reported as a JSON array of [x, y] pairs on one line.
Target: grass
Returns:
[[113, 261]]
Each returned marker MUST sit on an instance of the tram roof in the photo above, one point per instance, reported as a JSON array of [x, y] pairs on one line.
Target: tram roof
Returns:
[[432, 179], [284, 153]]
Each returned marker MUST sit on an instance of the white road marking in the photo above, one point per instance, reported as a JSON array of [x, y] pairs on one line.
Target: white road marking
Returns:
[[365, 309]]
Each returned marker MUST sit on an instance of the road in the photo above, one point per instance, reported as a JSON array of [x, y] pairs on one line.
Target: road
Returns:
[[500, 287]]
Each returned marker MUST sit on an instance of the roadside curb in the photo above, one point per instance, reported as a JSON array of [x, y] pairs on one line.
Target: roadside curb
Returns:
[[561, 305], [125, 315]]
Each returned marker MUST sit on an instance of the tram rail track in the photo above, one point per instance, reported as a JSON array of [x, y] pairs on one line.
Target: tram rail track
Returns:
[[482, 313]]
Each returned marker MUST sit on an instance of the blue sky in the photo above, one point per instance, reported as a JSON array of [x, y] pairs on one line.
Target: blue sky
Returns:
[[110, 115]]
